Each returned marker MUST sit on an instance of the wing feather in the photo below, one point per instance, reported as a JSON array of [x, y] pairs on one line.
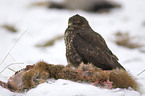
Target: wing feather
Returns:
[[93, 49]]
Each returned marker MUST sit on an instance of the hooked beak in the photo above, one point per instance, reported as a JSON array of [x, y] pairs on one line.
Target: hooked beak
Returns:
[[69, 24]]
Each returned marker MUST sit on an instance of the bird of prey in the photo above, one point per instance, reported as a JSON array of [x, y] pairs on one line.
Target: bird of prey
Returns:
[[85, 45]]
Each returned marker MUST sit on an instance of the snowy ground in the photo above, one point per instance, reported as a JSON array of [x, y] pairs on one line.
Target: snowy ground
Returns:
[[40, 24]]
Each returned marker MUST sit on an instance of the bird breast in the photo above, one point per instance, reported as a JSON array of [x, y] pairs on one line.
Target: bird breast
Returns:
[[69, 37]]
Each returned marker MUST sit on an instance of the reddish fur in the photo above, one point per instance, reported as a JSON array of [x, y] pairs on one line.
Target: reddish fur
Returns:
[[122, 79], [33, 75]]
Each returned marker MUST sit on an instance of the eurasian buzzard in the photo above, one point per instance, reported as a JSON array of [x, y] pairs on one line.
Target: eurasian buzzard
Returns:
[[85, 45]]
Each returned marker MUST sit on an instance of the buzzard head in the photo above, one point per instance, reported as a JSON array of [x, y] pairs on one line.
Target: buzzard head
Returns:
[[77, 22]]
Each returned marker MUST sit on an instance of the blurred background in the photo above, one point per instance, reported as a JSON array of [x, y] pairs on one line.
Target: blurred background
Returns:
[[32, 30]]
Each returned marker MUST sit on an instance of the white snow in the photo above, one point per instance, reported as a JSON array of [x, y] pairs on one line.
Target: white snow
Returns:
[[40, 24]]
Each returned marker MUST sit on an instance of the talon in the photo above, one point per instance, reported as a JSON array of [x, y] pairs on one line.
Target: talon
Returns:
[[95, 83], [108, 82]]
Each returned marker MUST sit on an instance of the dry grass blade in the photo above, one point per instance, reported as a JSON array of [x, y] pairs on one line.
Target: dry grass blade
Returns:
[[12, 48], [141, 72], [10, 65], [11, 69]]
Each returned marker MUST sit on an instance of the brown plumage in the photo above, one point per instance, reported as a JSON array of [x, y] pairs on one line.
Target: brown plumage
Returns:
[[85, 45]]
